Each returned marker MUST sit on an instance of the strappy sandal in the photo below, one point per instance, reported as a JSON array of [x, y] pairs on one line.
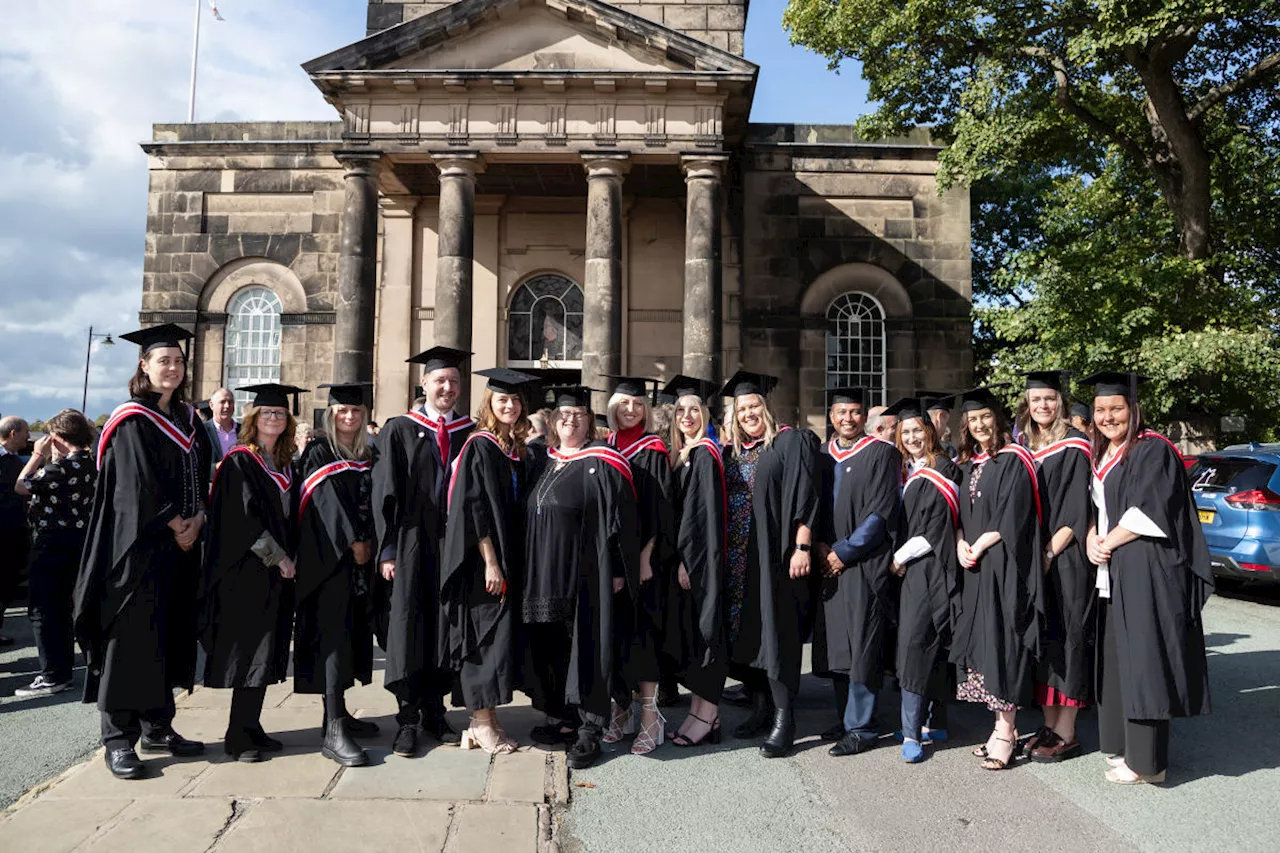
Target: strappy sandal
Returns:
[[993, 763], [489, 737], [713, 734], [1044, 734], [622, 724], [651, 736], [982, 751]]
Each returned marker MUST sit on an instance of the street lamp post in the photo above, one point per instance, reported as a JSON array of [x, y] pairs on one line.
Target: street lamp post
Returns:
[[84, 400]]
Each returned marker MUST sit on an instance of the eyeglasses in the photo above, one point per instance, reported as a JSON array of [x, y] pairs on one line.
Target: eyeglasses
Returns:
[[570, 415], [272, 416]]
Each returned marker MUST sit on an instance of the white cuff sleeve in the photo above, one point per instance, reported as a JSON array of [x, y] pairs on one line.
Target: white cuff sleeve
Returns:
[[1136, 520], [912, 549]]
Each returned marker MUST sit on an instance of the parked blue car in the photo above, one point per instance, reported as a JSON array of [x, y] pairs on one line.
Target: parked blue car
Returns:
[[1237, 493]]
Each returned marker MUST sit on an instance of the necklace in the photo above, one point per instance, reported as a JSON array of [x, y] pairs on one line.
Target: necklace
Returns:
[[544, 488]]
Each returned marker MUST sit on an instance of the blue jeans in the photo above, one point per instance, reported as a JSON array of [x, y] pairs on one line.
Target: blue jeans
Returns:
[[859, 714]]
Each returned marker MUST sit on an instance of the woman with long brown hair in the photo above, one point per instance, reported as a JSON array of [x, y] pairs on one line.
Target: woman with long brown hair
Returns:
[[997, 632], [481, 561], [247, 599]]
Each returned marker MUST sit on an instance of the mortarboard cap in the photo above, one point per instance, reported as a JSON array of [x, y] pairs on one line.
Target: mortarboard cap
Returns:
[[936, 401], [846, 395], [602, 421], [690, 386], [1053, 380], [348, 394], [156, 337], [906, 408], [504, 380], [746, 382], [570, 395], [976, 399], [438, 358], [274, 394], [632, 386], [1114, 383], [1082, 410]]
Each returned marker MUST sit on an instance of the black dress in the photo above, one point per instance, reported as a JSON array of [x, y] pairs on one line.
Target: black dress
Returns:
[[580, 534], [246, 607], [135, 597], [333, 630], [694, 633], [485, 500]]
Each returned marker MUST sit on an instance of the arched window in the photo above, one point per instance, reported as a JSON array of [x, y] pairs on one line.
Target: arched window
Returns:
[[855, 345], [544, 325], [252, 351]]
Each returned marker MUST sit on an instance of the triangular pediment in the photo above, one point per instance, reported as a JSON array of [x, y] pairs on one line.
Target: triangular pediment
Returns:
[[530, 35]]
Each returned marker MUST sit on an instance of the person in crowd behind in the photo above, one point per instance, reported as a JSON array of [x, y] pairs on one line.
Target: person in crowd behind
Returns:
[[135, 595], [333, 634], [929, 593], [303, 437], [638, 615], [416, 452], [1065, 677], [537, 428], [1082, 419], [581, 541], [59, 479], [939, 407], [694, 627], [15, 536], [881, 424], [1153, 579], [223, 430], [996, 639], [861, 498], [481, 558], [246, 608], [772, 489]]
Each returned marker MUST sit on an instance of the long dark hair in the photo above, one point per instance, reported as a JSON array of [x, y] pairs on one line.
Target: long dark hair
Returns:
[[1136, 426], [969, 446], [140, 384]]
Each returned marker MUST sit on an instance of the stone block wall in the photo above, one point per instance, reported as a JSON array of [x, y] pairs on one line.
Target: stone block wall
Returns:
[[233, 205], [717, 22]]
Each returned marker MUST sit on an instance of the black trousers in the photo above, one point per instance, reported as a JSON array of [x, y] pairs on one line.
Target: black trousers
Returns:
[[121, 729], [55, 559], [246, 712], [15, 543], [1143, 743], [419, 697]]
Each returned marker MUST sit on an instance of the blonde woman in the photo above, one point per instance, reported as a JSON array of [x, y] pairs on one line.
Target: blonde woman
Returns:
[[773, 506], [247, 599], [1064, 680], [482, 557], [333, 640]]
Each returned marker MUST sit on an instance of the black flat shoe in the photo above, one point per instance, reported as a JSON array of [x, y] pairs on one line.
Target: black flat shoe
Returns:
[[850, 744], [759, 722], [834, 733], [265, 742], [737, 696], [584, 752], [553, 735], [172, 743], [782, 737], [125, 764], [406, 741], [242, 749]]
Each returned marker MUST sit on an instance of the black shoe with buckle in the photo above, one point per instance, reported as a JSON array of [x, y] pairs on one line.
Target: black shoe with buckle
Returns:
[[125, 764], [171, 742]]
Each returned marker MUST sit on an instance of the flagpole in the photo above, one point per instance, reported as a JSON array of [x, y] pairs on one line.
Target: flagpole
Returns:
[[195, 53]]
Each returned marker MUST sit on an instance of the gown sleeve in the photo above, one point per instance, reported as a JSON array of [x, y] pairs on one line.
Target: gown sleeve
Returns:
[[1069, 505], [389, 476]]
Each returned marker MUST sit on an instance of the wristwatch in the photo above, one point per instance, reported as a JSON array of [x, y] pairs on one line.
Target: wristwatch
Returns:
[[802, 547]]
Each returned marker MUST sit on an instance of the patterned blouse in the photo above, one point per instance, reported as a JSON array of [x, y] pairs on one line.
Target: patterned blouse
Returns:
[[62, 493], [740, 483]]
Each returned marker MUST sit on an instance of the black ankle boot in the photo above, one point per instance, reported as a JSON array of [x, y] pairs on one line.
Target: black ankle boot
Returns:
[[783, 736], [339, 746], [761, 715]]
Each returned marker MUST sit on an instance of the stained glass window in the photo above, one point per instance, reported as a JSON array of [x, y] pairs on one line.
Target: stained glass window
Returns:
[[545, 322]]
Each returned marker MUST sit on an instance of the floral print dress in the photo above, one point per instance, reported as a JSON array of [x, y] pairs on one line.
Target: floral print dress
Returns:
[[740, 481]]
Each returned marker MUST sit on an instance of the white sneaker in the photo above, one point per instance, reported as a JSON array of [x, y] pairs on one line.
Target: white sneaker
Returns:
[[42, 687]]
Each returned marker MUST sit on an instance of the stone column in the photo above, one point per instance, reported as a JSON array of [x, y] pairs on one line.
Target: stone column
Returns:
[[394, 380], [602, 294], [357, 259], [454, 258], [703, 277]]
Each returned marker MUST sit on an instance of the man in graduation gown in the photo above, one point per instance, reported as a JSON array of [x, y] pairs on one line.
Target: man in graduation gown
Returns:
[[410, 486], [862, 486]]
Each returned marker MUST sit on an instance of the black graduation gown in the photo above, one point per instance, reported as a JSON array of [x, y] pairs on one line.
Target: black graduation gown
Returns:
[[485, 500], [776, 612], [1067, 645], [857, 606], [640, 615], [694, 627], [997, 632], [929, 594], [580, 534], [333, 631], [409, 485], [1159, 586], [135, 596], [246, 607]]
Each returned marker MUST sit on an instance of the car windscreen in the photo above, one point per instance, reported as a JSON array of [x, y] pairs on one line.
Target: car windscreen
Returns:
[[1230, 474]]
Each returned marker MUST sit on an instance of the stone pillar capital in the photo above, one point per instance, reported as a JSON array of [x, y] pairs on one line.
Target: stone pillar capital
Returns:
[[606, 164], [398, 206], [361, 162], [459, 164], [706, 167]]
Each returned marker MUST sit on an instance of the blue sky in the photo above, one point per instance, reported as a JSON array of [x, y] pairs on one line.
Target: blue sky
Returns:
[[83, 82]]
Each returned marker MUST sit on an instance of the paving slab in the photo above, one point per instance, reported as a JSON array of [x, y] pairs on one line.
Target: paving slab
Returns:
[[371, 700], [335, 826], [519, 777], [442, 773], [284, 774], [177, 826], [166, 777], [493, 827], [49, 826], [204, 697]]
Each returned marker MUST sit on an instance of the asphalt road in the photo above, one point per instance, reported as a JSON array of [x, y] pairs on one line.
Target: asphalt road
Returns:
[[1223, 786]]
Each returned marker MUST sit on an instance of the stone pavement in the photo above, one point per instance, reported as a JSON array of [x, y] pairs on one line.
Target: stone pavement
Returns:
[[447, 800]]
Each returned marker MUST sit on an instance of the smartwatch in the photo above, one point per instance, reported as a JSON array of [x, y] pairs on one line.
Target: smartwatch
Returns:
[[802, 547]]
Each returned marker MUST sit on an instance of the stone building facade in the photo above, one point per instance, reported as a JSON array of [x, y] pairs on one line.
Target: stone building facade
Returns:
[[564, 186]]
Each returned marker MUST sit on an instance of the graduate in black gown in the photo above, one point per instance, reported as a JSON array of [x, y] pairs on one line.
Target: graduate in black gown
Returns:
[[135, 596], [997, 631], [694, 630], [333, 628], [772, 486], [246, 600], [639, 616], [482, 557], [581, 538], [861, 495], [1064, 681], [410, 484], [926, 562], [1153, 580]]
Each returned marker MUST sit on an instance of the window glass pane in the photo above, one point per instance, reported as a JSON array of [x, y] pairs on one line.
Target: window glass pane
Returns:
[[545, 317], [855, 344], [251, 353], [518, 338]]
